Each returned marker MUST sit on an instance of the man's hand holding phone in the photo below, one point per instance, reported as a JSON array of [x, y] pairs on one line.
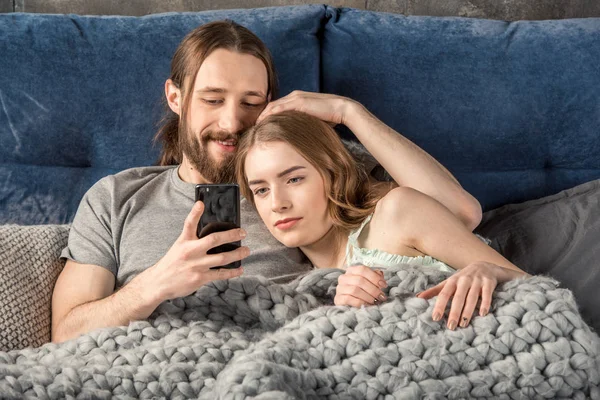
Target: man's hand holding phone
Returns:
[[221, 213], [187, 265]]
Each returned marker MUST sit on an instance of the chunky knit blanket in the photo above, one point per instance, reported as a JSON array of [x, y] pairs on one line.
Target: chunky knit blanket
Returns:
[[249, 338]]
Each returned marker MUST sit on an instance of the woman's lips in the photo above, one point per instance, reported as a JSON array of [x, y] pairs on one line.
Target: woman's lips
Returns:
[[288, 224]]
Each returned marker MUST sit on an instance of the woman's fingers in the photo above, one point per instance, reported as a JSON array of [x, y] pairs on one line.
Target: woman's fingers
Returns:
[[463, 295], [360, 285], [345, 300], [350, 282], [275, 107], [375, 277], [443, 297], [486, 297], [353, 296], [470, 304], [432, 291], [458, 301], [327, 107]]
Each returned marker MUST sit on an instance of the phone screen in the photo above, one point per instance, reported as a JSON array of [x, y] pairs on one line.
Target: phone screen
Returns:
[[221, 213]]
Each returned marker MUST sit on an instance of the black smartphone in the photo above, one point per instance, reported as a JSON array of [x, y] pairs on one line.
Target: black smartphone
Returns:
[[221, 213]]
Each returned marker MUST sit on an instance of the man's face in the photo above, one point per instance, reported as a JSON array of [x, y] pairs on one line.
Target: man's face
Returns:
[[229, 93]]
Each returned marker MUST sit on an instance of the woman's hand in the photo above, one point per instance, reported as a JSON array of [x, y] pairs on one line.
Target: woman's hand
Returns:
[[359, 286], [330, 108], [465, 287]]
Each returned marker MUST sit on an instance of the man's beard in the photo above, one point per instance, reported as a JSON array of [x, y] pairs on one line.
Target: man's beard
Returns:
[[196, 151]]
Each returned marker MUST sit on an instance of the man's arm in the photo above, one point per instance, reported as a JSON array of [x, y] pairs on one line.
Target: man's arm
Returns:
[[84, 300], [407, 163], [83, 297]]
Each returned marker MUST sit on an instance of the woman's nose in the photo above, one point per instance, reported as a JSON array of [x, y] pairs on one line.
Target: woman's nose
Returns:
[[279, 202]]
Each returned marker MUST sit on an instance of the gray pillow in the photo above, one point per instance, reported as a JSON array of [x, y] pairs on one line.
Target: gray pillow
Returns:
[[29, 267], [559, 236]]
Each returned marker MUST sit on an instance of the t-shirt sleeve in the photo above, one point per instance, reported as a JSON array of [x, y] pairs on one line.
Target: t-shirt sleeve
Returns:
[[362, 156], [90, 236]]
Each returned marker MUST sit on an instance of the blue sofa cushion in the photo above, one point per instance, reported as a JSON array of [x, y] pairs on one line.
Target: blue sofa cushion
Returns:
[[512, 109], [81, 96]]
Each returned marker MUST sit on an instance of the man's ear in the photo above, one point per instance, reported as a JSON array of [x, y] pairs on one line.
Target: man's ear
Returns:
[[173, 94]]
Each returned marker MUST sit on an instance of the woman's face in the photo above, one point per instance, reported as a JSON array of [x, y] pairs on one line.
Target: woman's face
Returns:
[[289, 194]]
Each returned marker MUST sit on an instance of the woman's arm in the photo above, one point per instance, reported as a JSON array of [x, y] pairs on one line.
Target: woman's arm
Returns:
[[407, 163], [423, 224], [426, 225], [411, 166]]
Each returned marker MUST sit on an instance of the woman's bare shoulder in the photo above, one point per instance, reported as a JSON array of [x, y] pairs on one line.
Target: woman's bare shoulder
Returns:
[[390, 227], [399, 202]]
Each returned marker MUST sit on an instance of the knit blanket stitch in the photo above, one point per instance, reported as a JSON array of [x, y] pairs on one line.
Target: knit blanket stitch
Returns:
[[250, 338]]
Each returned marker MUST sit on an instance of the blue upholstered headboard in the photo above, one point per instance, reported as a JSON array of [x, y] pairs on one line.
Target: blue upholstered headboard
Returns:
[[512, 109]]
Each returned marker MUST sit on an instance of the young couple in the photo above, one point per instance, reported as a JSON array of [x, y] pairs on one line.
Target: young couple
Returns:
[[133, 244]]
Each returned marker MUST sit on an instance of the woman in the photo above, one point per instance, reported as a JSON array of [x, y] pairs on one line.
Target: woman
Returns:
[[311, 194]]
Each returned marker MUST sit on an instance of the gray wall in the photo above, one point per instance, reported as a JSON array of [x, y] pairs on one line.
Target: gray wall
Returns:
[[493, 9], [6, 6]]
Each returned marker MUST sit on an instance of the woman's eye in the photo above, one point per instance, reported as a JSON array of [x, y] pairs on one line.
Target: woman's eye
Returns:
[[212, 102], [296, 179], [252, 105], [260, 191]]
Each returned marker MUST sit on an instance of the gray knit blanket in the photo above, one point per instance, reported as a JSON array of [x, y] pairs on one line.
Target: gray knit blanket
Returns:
[[249, 338]]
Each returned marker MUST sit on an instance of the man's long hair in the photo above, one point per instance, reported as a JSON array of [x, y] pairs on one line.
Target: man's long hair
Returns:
[[186, 62]]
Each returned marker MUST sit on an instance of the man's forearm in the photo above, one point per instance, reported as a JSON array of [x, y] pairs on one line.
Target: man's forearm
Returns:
[[125, 305], [411, 166]]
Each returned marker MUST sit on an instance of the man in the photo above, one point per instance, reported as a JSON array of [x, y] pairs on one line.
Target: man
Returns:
[[134, 231]]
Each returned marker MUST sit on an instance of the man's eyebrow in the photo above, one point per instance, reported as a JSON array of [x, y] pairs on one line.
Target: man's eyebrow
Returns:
[[212, 89], [279, 175], [254, 93]]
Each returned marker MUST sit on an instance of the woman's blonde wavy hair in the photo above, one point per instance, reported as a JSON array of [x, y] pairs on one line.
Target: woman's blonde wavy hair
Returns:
[[351, 197]]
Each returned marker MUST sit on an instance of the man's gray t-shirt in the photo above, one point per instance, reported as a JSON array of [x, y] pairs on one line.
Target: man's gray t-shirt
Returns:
[[127, 222]]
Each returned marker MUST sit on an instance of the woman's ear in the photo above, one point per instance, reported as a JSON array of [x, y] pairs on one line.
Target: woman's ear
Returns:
[[173, 96]]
